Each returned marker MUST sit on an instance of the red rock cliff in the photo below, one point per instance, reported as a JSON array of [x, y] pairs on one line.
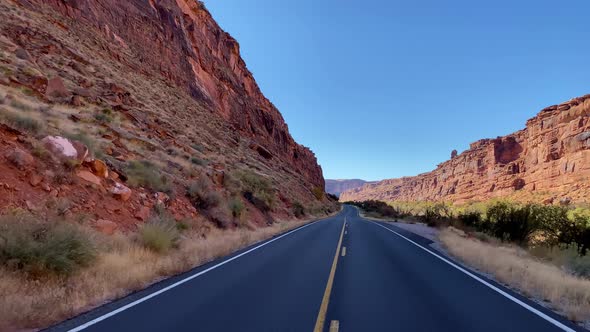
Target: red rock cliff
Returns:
[[548, 159], [179, 40]]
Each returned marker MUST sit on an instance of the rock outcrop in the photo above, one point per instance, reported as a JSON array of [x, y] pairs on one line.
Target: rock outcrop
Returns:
[[548, 159]]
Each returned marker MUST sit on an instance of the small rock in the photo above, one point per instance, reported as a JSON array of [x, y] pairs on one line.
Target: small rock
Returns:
[[20, 158], [56, 89], [87, 176], [45, 187], [99, 168], [53, 193], [35, 179], [21, 53], [143, 213], [106, 227], [121, 192], [565, 201], [114, 175], [31, 206], [161, 198]]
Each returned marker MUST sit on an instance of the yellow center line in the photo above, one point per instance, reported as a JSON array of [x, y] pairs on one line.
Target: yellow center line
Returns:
[[319, 323]]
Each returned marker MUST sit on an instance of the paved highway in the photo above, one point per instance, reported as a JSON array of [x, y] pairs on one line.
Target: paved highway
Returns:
[[343, 273]]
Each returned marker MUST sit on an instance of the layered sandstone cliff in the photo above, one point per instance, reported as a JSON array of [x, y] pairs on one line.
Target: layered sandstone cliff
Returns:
[[548, 160], [143, 82], [179, 41]]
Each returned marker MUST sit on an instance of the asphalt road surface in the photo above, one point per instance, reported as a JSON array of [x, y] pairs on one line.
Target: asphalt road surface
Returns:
[[343, 273]]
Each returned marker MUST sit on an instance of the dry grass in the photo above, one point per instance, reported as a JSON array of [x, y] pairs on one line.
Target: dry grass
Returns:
[[534, 278], [123, 267]]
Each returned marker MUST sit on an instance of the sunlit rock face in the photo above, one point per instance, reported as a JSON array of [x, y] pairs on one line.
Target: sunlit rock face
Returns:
[[547, 160]]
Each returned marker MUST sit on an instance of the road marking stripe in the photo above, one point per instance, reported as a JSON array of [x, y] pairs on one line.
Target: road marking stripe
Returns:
[[334, 326], [510, 297], [319, 323], [343, 251], [178, 283]]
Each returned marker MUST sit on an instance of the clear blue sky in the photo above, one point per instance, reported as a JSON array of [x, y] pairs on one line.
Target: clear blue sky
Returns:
[[386, 88]]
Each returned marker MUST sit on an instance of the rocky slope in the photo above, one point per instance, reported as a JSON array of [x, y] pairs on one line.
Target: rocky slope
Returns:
[[336, 187], [152, 87], [548, 161]]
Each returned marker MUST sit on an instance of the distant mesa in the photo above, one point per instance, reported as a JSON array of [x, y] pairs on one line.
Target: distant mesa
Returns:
[[336, 187]]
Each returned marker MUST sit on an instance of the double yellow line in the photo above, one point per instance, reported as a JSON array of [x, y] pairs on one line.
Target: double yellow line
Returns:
[[319, 323]]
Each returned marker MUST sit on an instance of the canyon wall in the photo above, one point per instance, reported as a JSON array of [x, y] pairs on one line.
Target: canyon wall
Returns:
[[179, 41], [548, 161]]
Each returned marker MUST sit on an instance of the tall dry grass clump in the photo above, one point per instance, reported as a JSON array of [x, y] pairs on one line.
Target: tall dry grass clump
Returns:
[[121, 264], [514, 266]]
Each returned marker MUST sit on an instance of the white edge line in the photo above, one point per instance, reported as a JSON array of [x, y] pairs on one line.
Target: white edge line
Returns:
[[178, 283], [510, 297]]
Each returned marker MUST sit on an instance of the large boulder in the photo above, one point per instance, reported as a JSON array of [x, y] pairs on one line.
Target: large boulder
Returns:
[[64, 148]]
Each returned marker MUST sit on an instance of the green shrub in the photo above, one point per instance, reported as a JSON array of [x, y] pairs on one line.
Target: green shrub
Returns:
[[236, 207], [378, 208], [298, 210], [21, 122], [470, 218], [318, 193], [203, 195], [105, 115], [257, 190], [92, 145], [43, 248], [198, 161], [142, 173], [159, 234]]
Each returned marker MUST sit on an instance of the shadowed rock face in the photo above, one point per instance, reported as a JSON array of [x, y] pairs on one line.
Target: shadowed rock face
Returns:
[[549, 158], [180, 41]]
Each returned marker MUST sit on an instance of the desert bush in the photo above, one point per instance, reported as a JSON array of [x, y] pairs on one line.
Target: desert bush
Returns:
[[104, 116], [298, 210], [378, 208], [198, 161], [202, 194], [236, 207], [318, 193], [22, 122], [92, 145], [142, 173], [470, 218], [159, 234], [439, 214], [257, 190], [517, 223], [221, 216], [43, 248], [260, 204]]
